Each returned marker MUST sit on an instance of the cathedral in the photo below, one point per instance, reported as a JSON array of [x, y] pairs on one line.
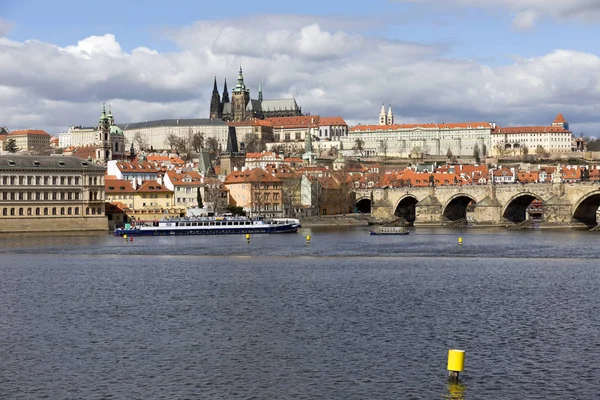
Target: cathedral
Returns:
[[242, 108]]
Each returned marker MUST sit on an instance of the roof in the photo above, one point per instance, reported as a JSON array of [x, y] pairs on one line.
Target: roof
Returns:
[[252, 122], [134, 166], [531, 129], [331, 121], [46, 162], [178, 178], [303, 121], [85, 152], [118, 186], [559, 119], [152, 186], [250, 175], [279, 105], [172, 122], [29, 132], [460, 125]]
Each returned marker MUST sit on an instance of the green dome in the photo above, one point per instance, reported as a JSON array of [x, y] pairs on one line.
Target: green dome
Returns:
[[115, 130]]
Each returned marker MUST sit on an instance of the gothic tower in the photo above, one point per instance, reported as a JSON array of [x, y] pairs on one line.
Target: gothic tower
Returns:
[[382, 116], [111, 119], [260, 96], [215, 103], [103, 147], [390, 116], [225, 98], [240, 97]]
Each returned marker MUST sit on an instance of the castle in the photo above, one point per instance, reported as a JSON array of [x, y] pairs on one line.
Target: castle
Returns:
[[243, 108]]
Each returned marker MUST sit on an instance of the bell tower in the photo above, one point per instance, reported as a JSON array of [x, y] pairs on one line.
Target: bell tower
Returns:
[[103, 147], [240, 97]]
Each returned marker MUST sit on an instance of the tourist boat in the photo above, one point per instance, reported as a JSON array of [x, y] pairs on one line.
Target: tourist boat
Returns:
[[209, 226], [390, 230]]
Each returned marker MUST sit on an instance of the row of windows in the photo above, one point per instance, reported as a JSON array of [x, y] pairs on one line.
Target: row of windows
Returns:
[[40, 196], [21, 211], [42, 180]]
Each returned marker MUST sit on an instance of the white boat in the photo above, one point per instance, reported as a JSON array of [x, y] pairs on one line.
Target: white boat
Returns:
[[390, 230], [210, 226]]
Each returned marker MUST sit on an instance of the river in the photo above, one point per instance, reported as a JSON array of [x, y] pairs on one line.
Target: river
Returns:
[[347, 316]]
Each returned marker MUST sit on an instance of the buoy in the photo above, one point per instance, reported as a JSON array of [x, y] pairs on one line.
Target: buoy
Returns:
[[247, 237], [459, 240], [131, 239], [125, 237], [456, 363], [307, 239]]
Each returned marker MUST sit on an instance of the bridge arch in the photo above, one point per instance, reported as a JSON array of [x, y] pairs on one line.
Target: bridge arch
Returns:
[[585, 209], [515, 210], [364, 205], [456, 207], [406, 209]]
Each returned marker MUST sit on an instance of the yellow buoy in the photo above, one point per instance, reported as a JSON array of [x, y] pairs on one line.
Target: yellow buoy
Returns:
[[456, 362], [307, 238], [459, 240], [125, 237], [247, 236]]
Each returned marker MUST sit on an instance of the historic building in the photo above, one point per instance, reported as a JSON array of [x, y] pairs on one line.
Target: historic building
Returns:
[[106, 138], [242, 108], [30, 139], [50, 193]]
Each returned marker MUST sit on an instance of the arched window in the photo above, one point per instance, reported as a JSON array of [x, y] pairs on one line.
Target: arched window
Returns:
[[21, 211], [76, 210], [29, 211], [37, 211], [100, 210], [4, 211], [69, 211], [53, 210], [45, 210], [93, 211], [62, 211], [12, 211], [87, 211]]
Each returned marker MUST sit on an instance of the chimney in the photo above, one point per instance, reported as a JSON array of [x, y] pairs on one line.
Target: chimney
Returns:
[[159, 180]]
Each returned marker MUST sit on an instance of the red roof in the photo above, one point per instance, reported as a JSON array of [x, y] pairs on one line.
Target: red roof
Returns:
[[559, 119], [292, 122], [531, 129], [461, 125], [29, 132], [331, 121]]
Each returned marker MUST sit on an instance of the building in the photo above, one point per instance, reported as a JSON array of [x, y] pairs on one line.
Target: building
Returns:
[[256, 191], [261, 130], [243, 108], [185, 187], [132, 170], [522, 140], [386, 118], [51, 193], [80, 136], [30, 140], [332, 128], [153, 135], [146, 200], [3, 138]]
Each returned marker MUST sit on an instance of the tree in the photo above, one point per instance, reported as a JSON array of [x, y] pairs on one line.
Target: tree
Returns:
[[197, 142], [199, 198], [539, 150], [253, 143], [11, 146], [235, 210], [212, 144], [416, 152], [359, 145], [476, 153], [449, 154], [175, 143], [141, 141]]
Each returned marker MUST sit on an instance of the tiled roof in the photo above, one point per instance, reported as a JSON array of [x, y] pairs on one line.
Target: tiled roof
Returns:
[[135, 166], [531, 129], [250, 175], [291, 122], [559, 119], [172, 122], [461, 125], [152, 186], [331, 121], [178, 179], [118, 186], [30, 132], [46, 162]]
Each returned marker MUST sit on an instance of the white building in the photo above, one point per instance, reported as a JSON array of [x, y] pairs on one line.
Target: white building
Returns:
[[154, 134]]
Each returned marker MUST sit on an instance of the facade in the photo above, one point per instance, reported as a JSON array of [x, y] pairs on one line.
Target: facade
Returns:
[[51, 193], [555, 138], [153, 134], [386, 118], [79, 136], [256, 191], [132, 170], [185, 187], [261, 128], [148, 200], [415, 140], [332, 128], [30, 139], [243, 108]]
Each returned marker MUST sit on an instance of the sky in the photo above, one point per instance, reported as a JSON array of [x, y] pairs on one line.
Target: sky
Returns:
[[513, 62]]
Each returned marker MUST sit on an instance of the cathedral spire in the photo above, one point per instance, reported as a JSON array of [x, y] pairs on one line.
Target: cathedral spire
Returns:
[[240, 87], [215, 102], [225, 97], [382, 116], [215, 86], [260, 96]]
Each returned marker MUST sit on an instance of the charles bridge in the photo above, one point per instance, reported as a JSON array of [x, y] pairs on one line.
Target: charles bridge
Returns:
[[564, 204]]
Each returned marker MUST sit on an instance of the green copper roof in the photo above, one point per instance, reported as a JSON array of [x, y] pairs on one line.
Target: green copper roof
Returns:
[[115, 130]]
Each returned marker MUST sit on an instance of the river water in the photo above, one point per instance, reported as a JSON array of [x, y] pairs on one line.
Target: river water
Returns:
[[348, 316]]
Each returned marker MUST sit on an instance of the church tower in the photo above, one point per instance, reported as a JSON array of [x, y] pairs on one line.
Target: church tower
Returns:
[[215, 103], [103, 147], [225, 98], [390, 116], [111, 119], [382, 116], [240, 97], [309, 156], [260, 96]]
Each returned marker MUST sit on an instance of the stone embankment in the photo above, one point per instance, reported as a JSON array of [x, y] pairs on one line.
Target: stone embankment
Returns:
[[336, 220]]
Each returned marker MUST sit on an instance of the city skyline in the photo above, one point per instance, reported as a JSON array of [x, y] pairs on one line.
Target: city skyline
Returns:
[[507, 61]]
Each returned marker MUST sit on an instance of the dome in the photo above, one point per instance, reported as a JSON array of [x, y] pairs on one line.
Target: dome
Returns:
[[115, 130]]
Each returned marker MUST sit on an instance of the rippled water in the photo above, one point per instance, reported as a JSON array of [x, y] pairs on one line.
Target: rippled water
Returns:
[[348, 316]]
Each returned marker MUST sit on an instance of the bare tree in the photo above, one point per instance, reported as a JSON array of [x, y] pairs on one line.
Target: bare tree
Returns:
[[197, 143], [140, 140], [253, 143], [175, 143], [359, 145], [212, 144]]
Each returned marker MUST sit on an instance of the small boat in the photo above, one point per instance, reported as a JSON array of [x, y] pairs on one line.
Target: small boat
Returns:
[[209, 226], [390, 230]]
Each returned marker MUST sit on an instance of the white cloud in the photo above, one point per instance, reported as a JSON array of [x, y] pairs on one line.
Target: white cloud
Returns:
[[5, 27], [528, 11], [331, 69]]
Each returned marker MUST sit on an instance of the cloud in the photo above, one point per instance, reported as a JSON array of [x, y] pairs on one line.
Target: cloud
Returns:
[[527, 11], [331, 69], [5, 27]]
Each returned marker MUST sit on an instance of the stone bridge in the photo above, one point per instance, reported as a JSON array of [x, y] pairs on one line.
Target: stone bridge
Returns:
[[567, 204]]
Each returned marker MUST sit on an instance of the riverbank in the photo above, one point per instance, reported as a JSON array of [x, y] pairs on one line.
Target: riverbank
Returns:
[[336, 220]]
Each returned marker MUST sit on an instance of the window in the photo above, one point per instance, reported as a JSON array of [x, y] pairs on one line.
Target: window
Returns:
[[4, 211], [21, 211], [45, 210], [76, 210], [62, 211], [53, 210], [69, 211], [29, 211]]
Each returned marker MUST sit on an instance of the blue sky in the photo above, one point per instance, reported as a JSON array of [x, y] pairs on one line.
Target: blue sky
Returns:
[[494, 40]]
